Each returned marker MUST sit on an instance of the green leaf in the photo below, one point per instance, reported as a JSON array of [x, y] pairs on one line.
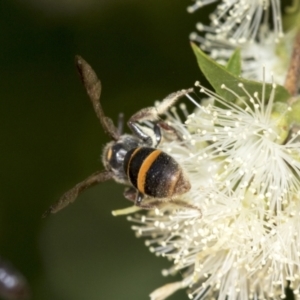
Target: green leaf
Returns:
[[218, 76], [294, 113], [291, 19], [234, 65], [280, 117]]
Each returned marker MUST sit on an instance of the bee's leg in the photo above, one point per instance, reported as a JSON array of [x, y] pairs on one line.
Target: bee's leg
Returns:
[[170, 130], [186, 205], [139, 198], [152, 113], [145, 134], [157, 132], [152, 205], [138, 202], [130, 194], [159, 203], [133, 195], [152, 137], [149, 205]]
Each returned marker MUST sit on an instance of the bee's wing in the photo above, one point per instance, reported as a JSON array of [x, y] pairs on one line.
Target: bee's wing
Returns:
[[93, 88], [71, 195]]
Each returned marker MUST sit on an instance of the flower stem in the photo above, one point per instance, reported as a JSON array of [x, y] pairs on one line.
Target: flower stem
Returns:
[[293, 75]]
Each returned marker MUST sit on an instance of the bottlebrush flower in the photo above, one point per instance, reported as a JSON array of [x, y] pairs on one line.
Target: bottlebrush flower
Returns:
[[244, 166]]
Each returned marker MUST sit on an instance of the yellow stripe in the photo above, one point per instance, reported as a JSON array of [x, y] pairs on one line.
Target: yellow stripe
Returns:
[[109, 154], [132, 155], [144, 169]]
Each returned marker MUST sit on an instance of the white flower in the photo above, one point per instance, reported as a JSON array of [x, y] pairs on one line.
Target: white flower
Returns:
[[244, 168]]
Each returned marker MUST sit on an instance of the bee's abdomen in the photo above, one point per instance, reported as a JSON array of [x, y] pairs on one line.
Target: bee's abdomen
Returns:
[[155, 173]]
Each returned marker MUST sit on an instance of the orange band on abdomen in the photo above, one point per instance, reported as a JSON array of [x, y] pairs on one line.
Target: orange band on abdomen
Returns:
[[144, 169]]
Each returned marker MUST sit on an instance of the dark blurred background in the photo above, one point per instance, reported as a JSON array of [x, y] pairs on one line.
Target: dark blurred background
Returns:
[[51, 139]]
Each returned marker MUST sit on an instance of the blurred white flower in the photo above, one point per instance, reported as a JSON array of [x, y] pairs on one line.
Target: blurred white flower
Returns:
[[244, 24], [266, 51], [275, 56], [239, 21]]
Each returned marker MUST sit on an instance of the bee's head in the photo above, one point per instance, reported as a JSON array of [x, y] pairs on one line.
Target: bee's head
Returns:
[[114, 154]]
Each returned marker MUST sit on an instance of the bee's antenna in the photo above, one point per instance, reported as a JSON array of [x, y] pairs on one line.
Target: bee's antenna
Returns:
[[93, 88], [120, 123]]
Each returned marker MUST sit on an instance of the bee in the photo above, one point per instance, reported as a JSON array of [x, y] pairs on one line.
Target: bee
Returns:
[[132, 159]]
